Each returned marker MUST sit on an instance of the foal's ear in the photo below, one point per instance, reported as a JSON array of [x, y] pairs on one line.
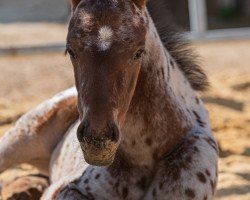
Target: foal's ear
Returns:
[[140, 3], [74, 3]]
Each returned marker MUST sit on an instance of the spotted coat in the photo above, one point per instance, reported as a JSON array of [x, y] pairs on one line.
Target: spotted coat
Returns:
[[167, 150]]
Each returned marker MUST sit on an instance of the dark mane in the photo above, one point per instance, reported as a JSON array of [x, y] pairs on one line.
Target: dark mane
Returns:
[[177, 46]]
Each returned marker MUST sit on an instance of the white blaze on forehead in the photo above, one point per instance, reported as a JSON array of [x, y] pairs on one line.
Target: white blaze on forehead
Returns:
[[105, 35]]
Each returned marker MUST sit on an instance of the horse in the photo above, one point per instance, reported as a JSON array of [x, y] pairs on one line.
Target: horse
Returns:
[[134, 126]]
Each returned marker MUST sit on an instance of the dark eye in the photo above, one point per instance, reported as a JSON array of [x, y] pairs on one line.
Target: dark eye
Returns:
[[138, 54], [71, 53]]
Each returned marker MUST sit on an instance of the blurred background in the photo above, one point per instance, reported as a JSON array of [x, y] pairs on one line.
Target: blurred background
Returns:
[[33, 68]]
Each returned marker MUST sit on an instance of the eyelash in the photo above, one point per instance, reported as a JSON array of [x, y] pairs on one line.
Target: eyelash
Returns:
[[138, 54], [71, 53]]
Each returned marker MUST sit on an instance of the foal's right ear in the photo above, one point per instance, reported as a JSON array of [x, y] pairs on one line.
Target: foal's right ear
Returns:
[[74, 3], [140, 3]]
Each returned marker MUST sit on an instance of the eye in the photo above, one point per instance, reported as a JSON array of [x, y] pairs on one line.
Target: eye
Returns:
[[139, 53], [71, 53]]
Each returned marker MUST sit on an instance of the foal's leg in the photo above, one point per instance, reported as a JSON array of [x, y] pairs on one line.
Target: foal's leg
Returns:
[[190, 172], [29, 187], [34, 136]]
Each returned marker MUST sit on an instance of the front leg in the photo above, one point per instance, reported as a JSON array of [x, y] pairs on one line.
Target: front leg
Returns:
[[190, 172], [34, 136], [29, 187]]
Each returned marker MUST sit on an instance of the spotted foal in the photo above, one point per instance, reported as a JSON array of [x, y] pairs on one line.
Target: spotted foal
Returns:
[[142, 131]]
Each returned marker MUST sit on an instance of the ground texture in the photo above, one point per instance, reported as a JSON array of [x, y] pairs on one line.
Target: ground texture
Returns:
[[29, 79]]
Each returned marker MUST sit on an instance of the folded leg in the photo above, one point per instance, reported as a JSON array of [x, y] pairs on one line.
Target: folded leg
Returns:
[[25, 188], [34, 136]]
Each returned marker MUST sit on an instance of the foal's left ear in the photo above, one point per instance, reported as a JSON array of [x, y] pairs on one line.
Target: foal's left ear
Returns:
[[140, 3], [74, 3]]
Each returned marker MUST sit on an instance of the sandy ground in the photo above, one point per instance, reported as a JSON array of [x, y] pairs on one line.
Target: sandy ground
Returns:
[[228, 102], [31, 34], [27, 80]]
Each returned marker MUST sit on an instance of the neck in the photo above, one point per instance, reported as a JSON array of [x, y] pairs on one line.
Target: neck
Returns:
[[159, 115]]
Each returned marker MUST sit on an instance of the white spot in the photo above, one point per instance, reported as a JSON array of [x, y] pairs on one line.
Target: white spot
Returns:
[[105, 38], [87, 19]]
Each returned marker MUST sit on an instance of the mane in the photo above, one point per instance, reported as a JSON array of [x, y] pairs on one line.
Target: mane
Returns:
[[178, 47]]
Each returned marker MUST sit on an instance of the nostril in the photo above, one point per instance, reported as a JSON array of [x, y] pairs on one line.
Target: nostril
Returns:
[[82, 130], [85, 135], [113, 133]]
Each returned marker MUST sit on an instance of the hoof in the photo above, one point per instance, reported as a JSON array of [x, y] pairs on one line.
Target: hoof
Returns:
[[29, 187]]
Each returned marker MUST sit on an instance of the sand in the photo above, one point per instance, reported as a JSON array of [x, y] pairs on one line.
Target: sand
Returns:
[[27, 80]]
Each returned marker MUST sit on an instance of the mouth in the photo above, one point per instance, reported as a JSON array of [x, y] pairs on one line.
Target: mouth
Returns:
[[98, 158]]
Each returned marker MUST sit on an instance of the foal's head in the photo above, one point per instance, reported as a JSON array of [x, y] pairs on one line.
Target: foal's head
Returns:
[[105, 41]]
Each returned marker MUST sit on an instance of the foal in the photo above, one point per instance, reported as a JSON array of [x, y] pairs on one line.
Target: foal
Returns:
[[142, 133]]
